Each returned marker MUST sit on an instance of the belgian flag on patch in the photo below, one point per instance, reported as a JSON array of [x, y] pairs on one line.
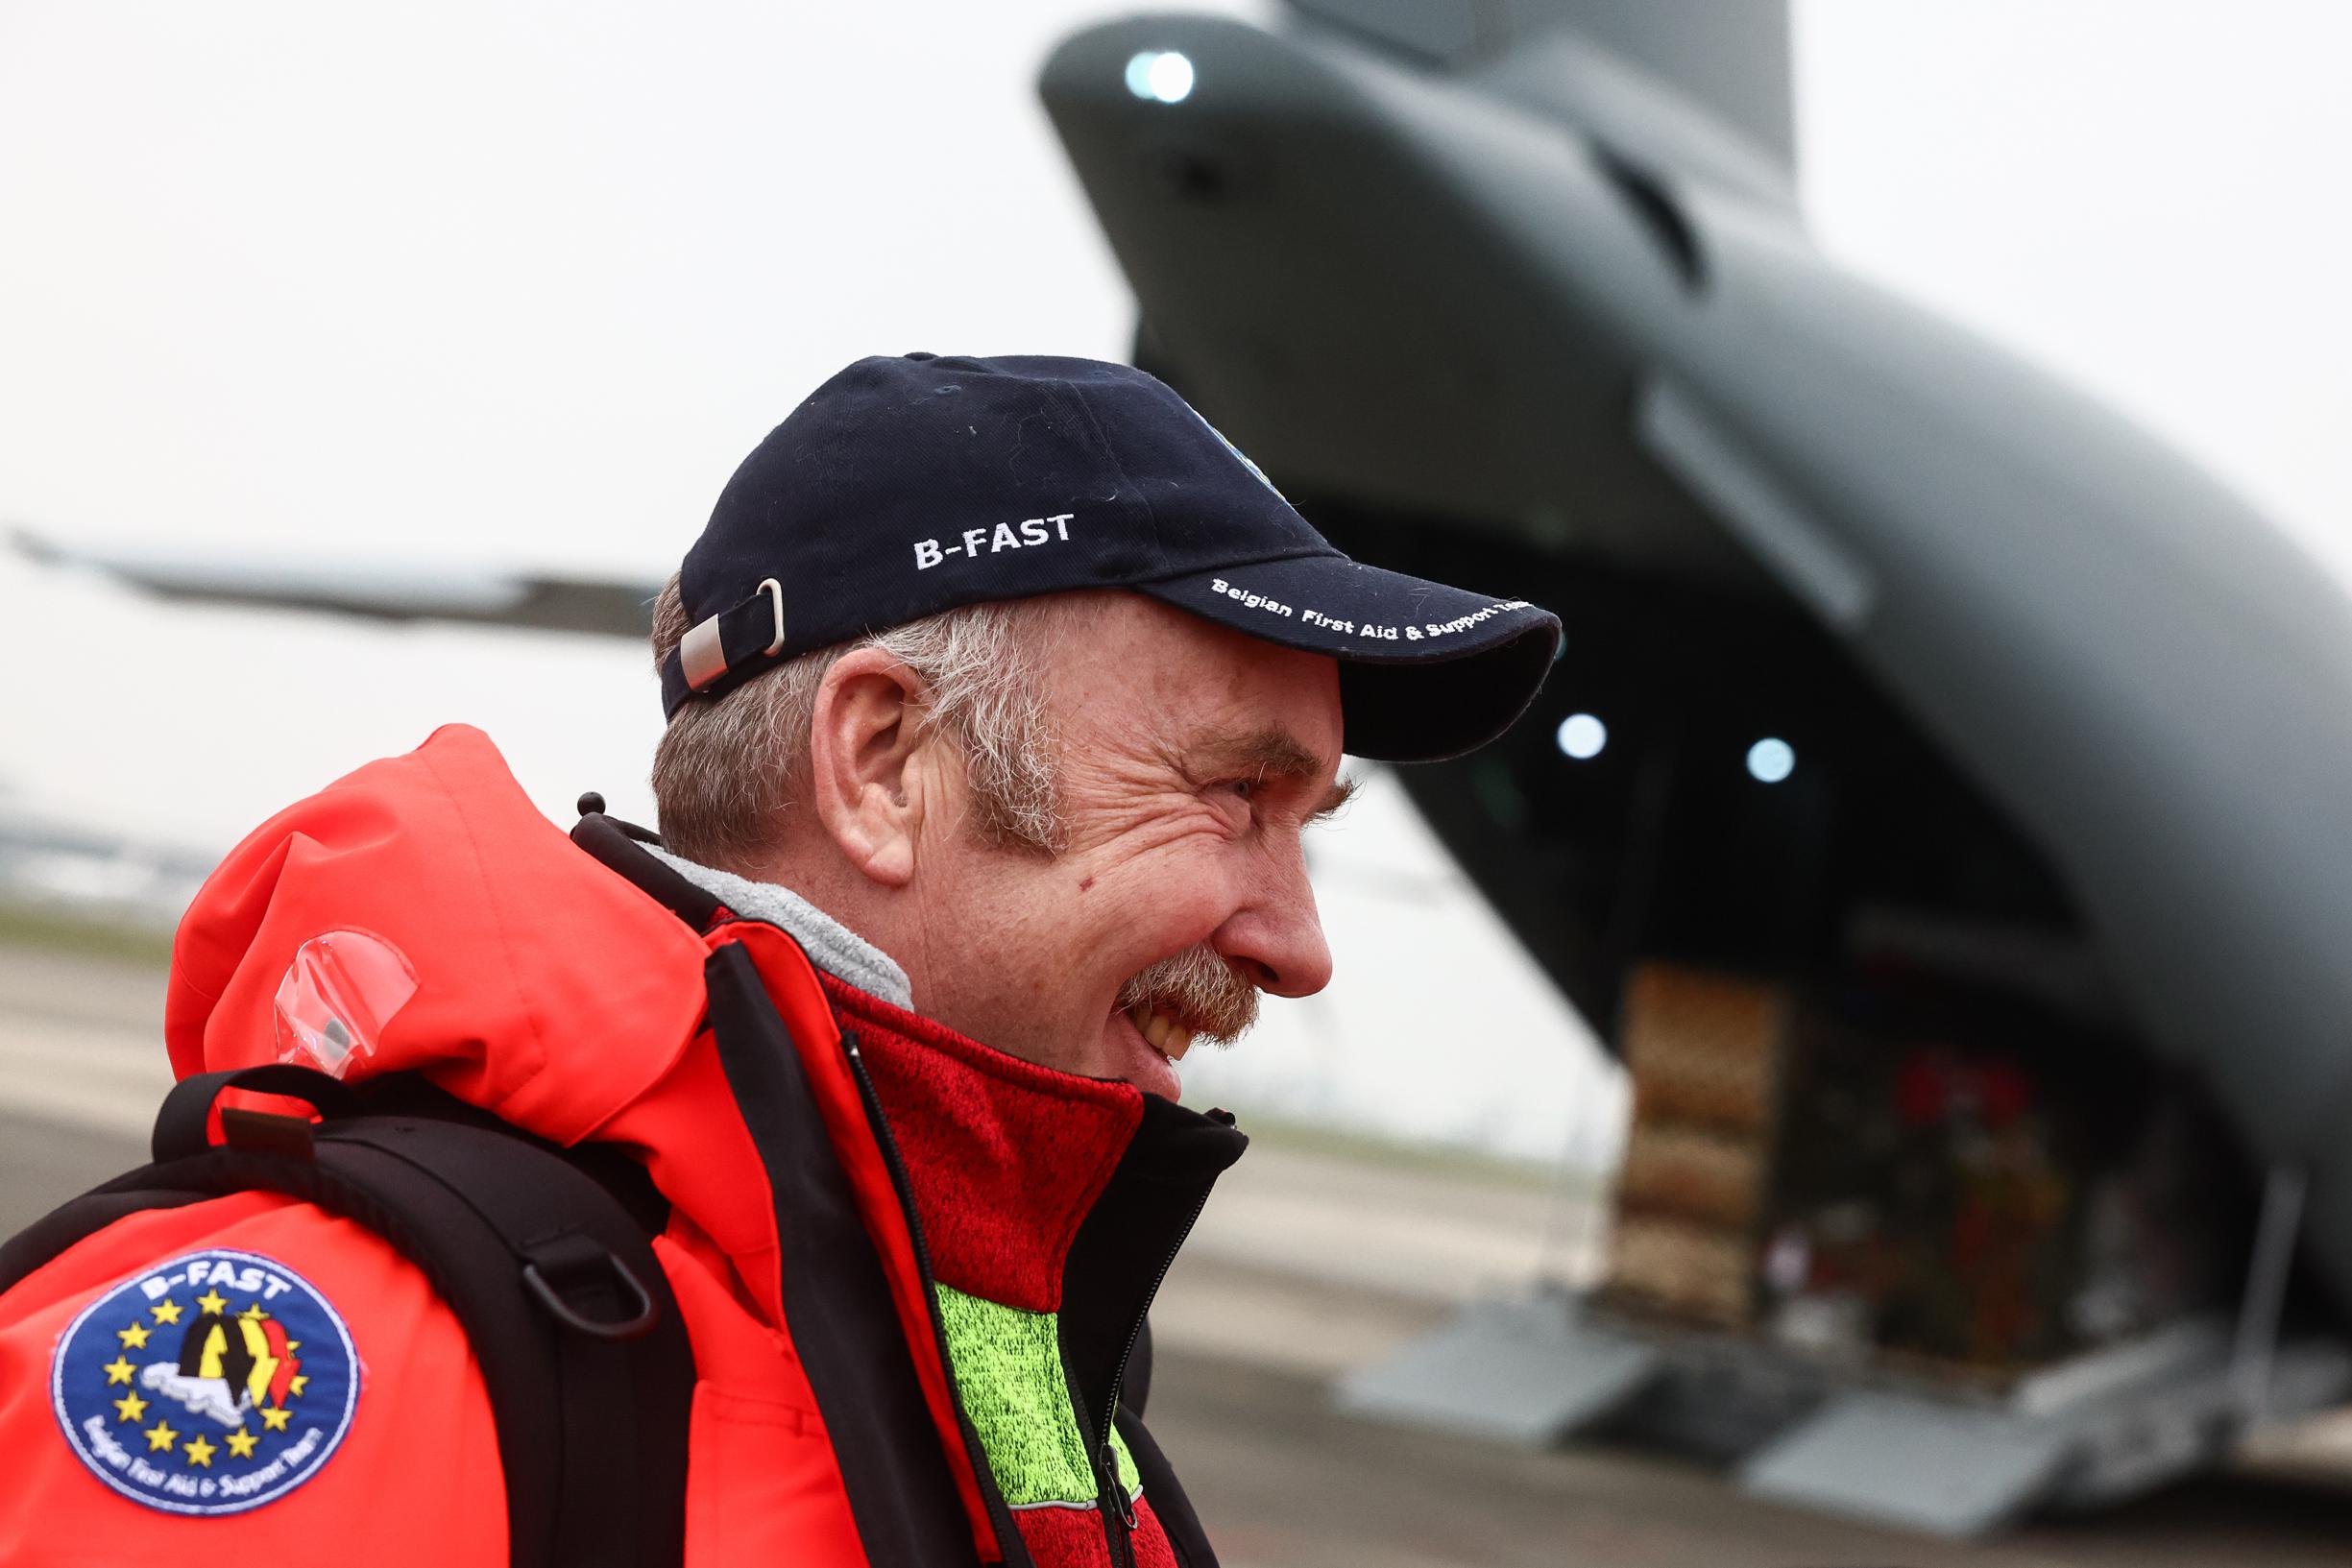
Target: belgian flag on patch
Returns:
[[250, 1354]]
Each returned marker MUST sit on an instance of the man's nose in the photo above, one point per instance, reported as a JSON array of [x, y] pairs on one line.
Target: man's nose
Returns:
[[1277, 939]]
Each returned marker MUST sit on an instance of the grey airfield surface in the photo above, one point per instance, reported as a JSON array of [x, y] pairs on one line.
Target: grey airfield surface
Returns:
[[1310, 1260]]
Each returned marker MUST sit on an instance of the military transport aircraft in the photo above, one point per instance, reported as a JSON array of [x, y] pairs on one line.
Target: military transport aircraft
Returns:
[[1943, 796], [1942, 801]]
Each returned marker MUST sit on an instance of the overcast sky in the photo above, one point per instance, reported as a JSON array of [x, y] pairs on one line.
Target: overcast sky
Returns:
[[522, 281]]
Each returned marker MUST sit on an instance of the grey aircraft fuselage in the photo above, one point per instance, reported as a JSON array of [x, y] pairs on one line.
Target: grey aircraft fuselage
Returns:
[[1546, 293]]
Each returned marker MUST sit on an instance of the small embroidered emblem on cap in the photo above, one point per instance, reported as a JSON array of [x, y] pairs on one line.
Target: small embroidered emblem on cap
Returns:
[[1026, 534], [1256, 473]]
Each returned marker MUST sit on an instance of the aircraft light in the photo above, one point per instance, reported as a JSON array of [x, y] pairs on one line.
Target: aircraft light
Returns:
[[1160, 75], [1770, 760], [1582, 736]]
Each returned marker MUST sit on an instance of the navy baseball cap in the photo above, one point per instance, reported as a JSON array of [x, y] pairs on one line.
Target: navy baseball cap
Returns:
[[907, 486]]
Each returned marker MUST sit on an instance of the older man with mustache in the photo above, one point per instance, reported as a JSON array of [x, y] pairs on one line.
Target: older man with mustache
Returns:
[[1000, 695]]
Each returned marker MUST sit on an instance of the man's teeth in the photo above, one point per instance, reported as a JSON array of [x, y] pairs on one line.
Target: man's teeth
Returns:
[[1163, 1032]]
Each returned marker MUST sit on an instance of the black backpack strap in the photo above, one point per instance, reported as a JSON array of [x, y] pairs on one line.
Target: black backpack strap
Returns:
[[590, 1375], [135, 1191], [187, 1167], [553, 1277], [184, 1125]]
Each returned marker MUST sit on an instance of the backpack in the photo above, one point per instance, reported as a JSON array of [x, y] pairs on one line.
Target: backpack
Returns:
[[544, 1255]]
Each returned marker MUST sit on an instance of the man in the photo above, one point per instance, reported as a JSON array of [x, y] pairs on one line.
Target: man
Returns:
[[999, 694]]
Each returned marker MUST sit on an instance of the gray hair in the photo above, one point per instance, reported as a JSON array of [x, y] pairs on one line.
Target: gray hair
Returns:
[[727, 770]]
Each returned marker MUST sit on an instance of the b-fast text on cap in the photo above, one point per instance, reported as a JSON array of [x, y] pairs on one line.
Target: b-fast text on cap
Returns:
[[1030, 531]]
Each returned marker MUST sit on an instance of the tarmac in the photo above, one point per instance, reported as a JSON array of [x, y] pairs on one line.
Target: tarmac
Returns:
[[1315, 1258]]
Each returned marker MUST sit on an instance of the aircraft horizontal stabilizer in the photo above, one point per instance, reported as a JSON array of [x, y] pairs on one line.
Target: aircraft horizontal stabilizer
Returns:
[[380, 591]]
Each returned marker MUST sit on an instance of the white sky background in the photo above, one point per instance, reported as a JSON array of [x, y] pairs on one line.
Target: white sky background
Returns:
[[520, 283], [506, 283]]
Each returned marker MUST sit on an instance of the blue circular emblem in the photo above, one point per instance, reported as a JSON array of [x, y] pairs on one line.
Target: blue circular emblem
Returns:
[[212, 1384]]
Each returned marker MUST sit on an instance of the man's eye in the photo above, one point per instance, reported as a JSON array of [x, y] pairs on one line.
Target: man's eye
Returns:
[[1244, 788]]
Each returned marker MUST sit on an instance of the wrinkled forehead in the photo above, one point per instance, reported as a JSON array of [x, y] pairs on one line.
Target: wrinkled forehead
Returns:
[[1127, 667]]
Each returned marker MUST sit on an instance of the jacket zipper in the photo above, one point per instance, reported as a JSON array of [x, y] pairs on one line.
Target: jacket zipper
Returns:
[[1115, 1505], [1112, 1502], [1015, 1549]]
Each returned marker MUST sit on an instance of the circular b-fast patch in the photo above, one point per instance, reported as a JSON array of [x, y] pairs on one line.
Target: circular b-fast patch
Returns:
[[212, 1384]]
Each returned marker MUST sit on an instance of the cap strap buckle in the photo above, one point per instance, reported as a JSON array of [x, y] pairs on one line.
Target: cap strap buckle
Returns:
[[702, 653], [775, 595]]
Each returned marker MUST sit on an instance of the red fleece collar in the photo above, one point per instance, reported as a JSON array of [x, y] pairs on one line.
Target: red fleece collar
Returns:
[[1004, 1157]]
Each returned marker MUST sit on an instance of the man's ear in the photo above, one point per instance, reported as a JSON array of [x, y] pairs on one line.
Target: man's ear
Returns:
[[863, 735]]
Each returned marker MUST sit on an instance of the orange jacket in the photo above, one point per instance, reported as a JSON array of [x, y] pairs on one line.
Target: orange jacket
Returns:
[[1010, 1225]]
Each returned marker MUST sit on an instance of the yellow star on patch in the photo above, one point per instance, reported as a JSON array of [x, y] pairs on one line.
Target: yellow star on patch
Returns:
[[166, 1312], [119, 1370], [275, 1417], [295, 1384], [242, 1443], [211, 1301], [134, 1336], [252, 1313], [130, 1408], [200, 1451], [160, 1437]]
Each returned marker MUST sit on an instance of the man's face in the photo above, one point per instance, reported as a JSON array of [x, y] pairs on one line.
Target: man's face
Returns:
[[1191, 760]]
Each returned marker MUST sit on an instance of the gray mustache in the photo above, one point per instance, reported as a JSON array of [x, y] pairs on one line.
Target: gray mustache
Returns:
[[1200, 991]]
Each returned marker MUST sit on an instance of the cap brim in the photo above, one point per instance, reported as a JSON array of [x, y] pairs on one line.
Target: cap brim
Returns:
[[1426, 671]]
